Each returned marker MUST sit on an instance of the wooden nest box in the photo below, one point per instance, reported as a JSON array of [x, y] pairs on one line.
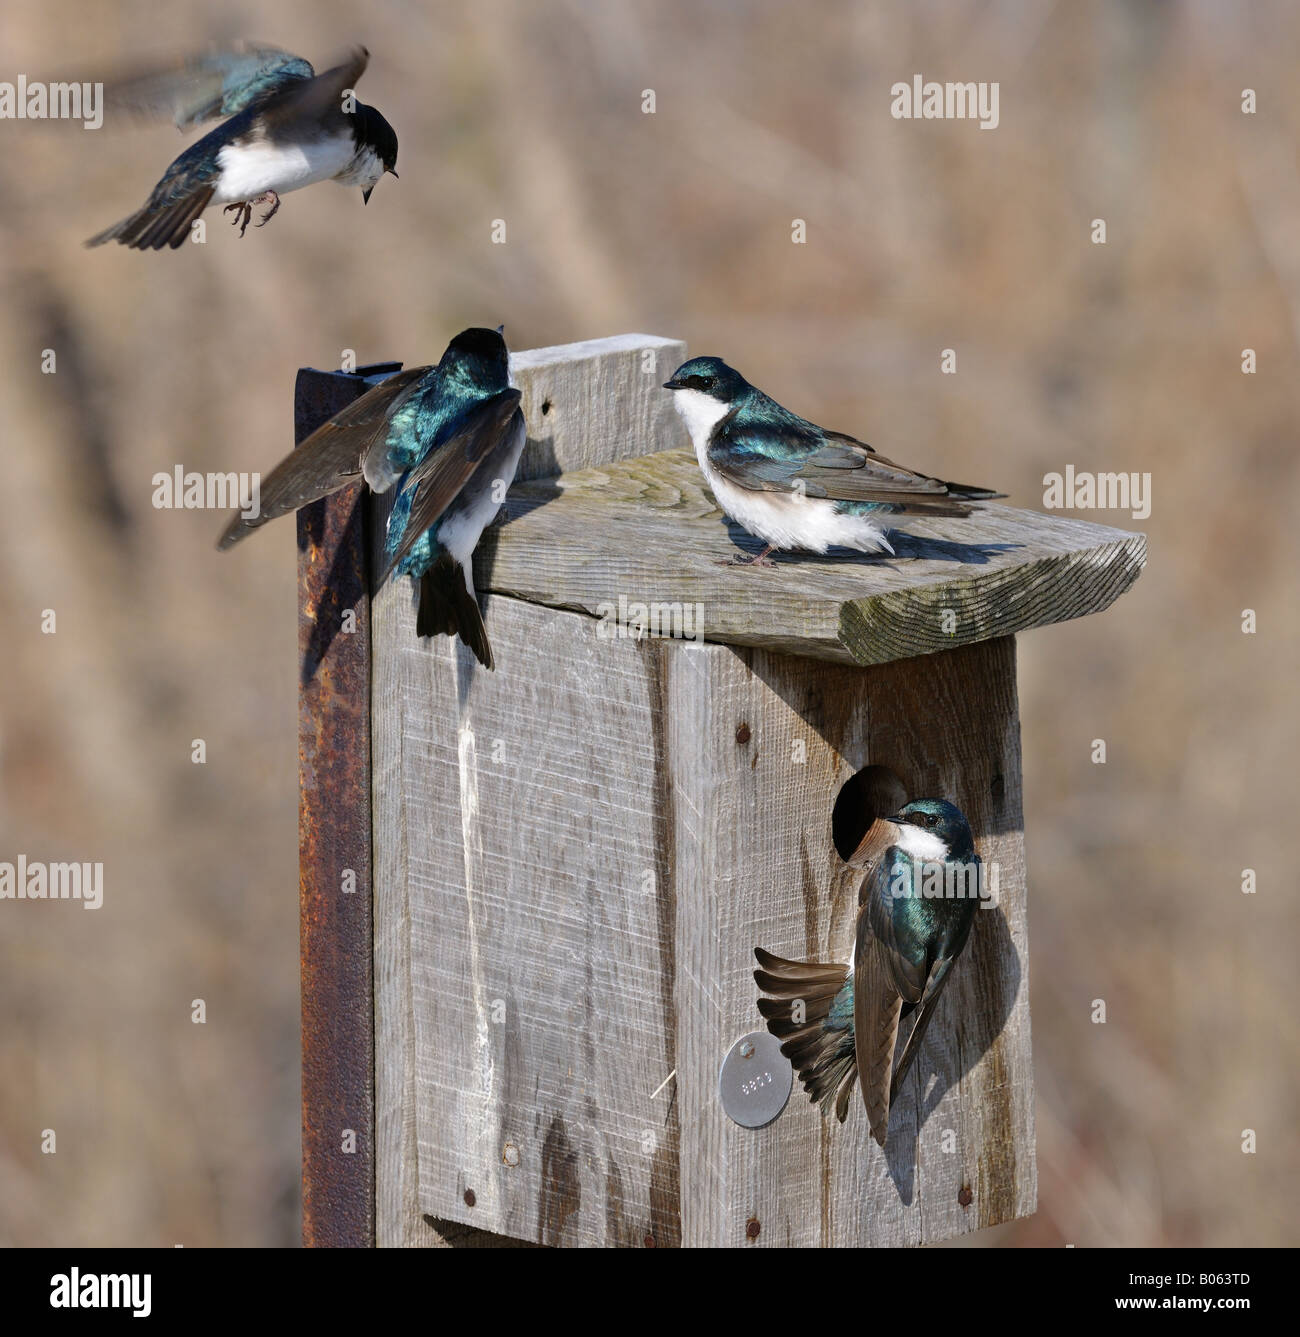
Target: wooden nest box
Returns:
[[530, 898]]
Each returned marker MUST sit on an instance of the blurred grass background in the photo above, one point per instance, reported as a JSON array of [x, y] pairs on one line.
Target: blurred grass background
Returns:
[[921, 236]]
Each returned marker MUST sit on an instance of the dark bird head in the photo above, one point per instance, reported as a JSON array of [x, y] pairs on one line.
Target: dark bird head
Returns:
[[374, 133], [478, 359], [709, 376], [940, 819]]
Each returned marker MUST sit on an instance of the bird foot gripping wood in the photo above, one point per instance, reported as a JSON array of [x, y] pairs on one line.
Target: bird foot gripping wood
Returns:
[[243, 213], [759, 559]]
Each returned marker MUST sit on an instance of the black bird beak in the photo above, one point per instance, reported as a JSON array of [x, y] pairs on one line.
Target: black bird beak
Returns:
[[365, 195], [674, 384]]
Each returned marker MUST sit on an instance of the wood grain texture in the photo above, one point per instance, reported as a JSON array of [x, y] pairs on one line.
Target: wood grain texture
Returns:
[[521, 815], [594, 402], [756, 867], [584, 403], [649, 529], [602, 883], [575, 856]]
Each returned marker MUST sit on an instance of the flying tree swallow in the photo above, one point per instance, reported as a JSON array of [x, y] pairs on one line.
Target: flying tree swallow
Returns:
[[289, 127], [449, 437], [794, 484], [840, 1023]]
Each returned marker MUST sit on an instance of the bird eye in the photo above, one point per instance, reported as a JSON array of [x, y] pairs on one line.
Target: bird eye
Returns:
[[700, 382]]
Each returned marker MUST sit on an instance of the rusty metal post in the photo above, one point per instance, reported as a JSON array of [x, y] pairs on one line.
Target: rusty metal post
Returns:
[[335, 906]]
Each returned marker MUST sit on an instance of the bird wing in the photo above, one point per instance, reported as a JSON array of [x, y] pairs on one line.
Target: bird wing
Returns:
[[876, 840], [329, 459], [319, 97], [887, 971], [939, 975], [791, 455], [208, 86], [876, 1005], [178, 199], [818, 1044], [442, 475], [949, 950]]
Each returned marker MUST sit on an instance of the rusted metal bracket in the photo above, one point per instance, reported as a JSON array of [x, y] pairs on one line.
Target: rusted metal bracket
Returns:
[[334, 868]]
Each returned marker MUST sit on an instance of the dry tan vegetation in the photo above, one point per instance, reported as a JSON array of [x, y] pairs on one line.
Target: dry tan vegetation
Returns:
[[921, 236]]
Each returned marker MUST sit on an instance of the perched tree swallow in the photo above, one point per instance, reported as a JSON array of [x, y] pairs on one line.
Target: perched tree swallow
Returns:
[[450, 437], [288, 128], [838, 1023], [794, 484]]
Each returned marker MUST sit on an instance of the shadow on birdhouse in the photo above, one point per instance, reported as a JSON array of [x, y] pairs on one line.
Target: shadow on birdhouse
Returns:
[[561, 868]]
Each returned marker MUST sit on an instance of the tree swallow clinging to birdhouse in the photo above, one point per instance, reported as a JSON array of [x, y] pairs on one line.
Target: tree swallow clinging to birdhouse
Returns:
[[794, 484], [288, 128], [450, 438], [840, 1023]]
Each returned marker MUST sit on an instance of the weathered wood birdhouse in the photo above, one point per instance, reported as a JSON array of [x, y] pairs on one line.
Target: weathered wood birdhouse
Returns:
[[530, 897]]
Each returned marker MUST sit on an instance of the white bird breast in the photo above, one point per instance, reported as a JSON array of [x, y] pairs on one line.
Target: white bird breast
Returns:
[[921, 844], [783, 519], [251, 169]]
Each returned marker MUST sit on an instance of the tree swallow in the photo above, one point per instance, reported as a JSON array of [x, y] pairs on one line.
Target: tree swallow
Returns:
[[450, 438], [794, 484], [288, 128], [838, 1023]]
